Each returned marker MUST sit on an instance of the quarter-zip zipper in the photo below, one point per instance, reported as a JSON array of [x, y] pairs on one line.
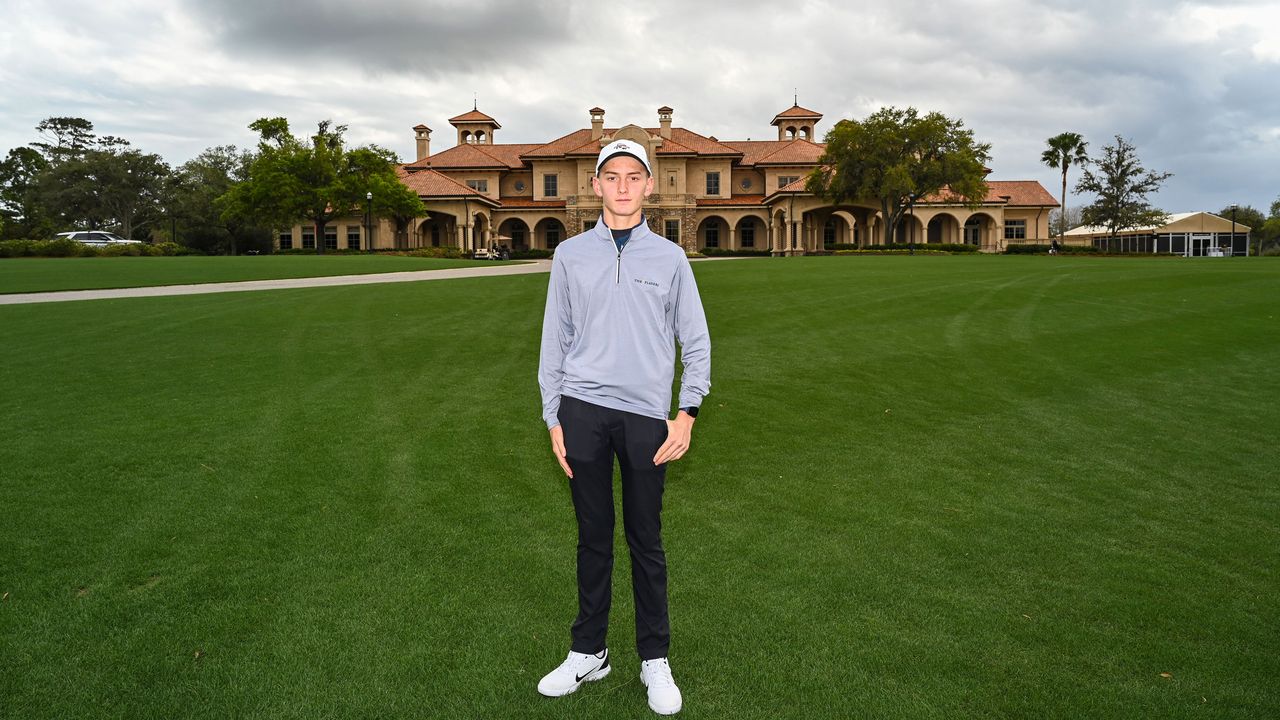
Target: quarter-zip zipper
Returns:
[[617, 275]]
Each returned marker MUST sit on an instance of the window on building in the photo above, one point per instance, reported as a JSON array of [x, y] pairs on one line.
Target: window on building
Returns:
[[748, 235], [553, 237], [517, 238], [551, 185], [330, 237], [309, 238], [479, 185], [587, 225], [1015, 229], [672, 230], [713, 183], [435, 236], [785, 180], [286, 241], [713, 235], [829, 233], [353, 237]]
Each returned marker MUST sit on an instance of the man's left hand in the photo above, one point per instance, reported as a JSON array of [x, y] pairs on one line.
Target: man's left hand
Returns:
[[679, 432]]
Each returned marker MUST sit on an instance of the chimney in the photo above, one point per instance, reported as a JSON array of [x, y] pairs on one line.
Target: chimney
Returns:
[[422, 134], [664, 121], [597, 122]]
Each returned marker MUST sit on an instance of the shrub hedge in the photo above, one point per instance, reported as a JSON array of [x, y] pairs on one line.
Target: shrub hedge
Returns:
[[65, 247], [725, 252], [935, 247], [1041, 249]]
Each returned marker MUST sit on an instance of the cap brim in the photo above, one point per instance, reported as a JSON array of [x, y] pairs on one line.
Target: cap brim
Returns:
[[630, 155]]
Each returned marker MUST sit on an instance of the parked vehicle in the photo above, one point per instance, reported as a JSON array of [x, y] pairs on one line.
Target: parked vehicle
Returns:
[[97, 238]]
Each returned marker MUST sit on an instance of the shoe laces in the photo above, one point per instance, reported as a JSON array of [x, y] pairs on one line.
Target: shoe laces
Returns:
[[576, 661], [659, 673]]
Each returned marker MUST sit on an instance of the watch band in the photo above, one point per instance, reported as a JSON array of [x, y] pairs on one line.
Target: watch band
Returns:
[[690, 411]]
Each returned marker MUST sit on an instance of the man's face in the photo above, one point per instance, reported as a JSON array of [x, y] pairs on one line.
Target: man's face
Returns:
[[622, 184]]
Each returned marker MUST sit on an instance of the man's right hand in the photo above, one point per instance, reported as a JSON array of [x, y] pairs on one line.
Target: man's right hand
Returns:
[[557, 447]]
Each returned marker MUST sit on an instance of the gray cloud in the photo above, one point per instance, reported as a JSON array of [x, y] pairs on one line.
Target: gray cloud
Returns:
[[1192, 84], [425, 37]]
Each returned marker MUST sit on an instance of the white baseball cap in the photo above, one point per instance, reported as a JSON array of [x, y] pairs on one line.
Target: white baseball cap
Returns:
[[623, 147]]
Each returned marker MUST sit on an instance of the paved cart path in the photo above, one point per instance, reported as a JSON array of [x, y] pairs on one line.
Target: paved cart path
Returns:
[[536, 266], [524, 268]]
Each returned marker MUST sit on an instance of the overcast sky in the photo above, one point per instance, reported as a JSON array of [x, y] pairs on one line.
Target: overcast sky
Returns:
[[1195, 85]]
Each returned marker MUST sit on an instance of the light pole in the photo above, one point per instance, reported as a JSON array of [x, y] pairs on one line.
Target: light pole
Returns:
[[368, 220], [911, 234], [1233, 231]]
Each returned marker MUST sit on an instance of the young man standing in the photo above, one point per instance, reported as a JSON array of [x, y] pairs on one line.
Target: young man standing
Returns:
[[619, 300]]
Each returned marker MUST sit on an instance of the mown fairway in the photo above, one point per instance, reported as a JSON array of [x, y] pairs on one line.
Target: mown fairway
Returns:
[[42, 274], [921, 488]]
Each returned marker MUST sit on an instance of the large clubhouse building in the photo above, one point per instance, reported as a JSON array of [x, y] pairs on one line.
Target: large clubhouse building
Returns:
[[709, 193]]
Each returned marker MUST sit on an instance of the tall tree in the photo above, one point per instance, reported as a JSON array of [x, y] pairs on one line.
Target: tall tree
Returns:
[[1121, 185], [317, 180], [25, 216], [895, 157], [191, 203], [109, 185], [1063, 151]]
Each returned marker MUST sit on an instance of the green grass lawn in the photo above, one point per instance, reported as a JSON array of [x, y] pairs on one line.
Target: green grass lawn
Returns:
[[20, 275], [933, 487]]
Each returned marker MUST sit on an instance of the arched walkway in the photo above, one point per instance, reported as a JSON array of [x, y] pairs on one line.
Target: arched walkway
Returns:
[[713, 232], [943, 228], [436, 231], [979, 229], [514, 233], [548, 233]]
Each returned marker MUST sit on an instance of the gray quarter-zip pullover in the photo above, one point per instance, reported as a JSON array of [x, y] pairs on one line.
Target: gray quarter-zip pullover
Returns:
[[612, 321]]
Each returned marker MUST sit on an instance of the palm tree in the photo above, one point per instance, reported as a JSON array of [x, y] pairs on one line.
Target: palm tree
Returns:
[[1064, 150]]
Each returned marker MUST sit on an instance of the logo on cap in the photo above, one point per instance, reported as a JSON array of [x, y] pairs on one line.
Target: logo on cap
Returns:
[[623, 147]]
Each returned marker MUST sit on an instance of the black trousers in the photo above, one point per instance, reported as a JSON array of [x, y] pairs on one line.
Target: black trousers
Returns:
[[593, 435]]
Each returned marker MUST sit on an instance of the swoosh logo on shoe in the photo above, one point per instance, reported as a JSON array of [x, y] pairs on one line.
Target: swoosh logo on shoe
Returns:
[[579, 678]]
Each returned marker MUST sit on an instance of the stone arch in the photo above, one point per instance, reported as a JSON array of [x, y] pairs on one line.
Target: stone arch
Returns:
[[713, 232], [910, 229], [549, 232], [791, 132], [979, 229], [466, 137], [943, 228], [515, 234], [806, 132], [751, 233], [480, 137], [438, 230], [849, 235], [480, 235]]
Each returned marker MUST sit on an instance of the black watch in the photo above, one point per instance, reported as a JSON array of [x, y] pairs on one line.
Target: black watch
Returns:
[[690, 411]]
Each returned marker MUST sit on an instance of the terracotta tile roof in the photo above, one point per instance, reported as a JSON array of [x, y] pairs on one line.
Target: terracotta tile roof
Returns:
[[795, 111], [420, 126], [793, 187], [777, 152], [528, 202], [473, 116], [735, 200], [1009, 192], [1020, 192], [501, 156], [562, 144], [681, 142], [429, 183], [700, 144]]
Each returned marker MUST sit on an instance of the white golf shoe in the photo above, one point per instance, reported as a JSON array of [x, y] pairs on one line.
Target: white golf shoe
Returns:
[[575, 670], [664, 696]]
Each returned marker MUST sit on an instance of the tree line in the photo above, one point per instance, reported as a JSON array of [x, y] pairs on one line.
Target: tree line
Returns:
[[225, 200]]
